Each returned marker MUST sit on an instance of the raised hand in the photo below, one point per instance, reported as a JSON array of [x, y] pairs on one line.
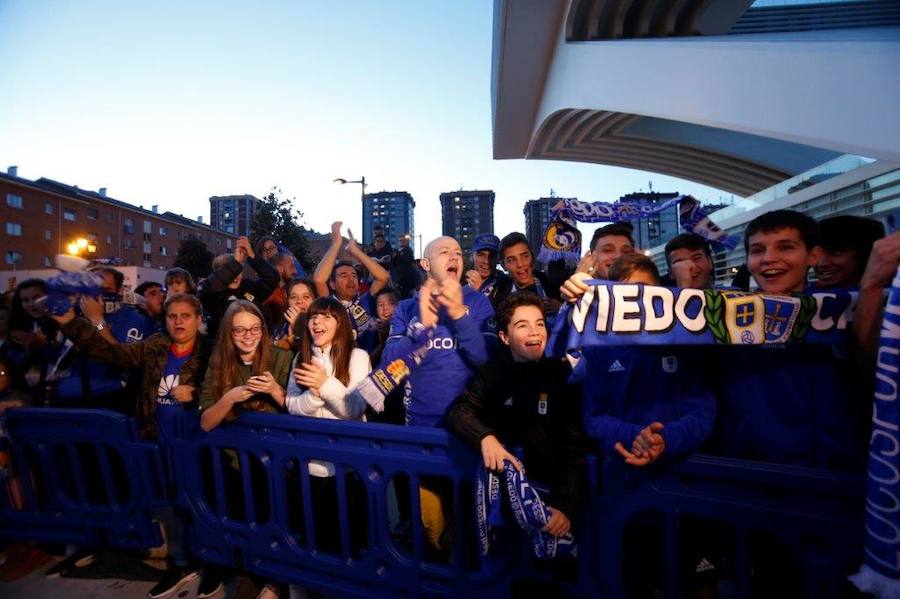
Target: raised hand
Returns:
[[451, 298], [310, 375], [428, 305], [336, 238], [474, 279]]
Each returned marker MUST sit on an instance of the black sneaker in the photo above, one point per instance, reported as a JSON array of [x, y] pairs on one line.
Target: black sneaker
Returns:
[[210, 585], [175, 581], [79, 559]]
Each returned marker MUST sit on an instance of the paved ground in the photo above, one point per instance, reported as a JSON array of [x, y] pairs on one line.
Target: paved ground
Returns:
[[36, 585]]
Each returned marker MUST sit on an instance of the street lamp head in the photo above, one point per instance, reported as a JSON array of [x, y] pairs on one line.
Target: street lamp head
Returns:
[[341, 181]]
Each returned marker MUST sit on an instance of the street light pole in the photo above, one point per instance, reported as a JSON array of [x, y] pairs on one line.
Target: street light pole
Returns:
[[362, 194]]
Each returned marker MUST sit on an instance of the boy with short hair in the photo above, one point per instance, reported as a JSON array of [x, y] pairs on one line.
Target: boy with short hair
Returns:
[[517, 258], [689, 258], [793, 404], [522, 399]]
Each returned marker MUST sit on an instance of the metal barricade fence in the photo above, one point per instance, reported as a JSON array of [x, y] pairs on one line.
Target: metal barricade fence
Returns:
[[254, 506], [253, 500], [80, 476]]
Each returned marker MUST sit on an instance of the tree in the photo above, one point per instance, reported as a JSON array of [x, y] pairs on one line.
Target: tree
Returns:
[[276, 217], [194, 257]]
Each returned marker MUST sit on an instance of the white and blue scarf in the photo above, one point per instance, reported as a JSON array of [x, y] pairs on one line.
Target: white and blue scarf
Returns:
[[528, 509]]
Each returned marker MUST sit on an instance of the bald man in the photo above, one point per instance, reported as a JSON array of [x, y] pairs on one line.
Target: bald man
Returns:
[[464, 329], [464, 332]]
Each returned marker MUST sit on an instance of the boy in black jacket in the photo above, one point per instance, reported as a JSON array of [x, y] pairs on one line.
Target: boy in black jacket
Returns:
[[522, 399]]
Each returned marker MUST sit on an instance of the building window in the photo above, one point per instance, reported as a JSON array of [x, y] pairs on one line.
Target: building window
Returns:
[[109, 240], [228, 244], [14, 258], [14, 229], [48, 208], [129, 244], [48, 261], [109, 217], [218, 242], [163, 250], [146, 259], [13, 201], [128, 226], [69, 214], [48, 234], [92, 213], [162, 231], [148, 227]]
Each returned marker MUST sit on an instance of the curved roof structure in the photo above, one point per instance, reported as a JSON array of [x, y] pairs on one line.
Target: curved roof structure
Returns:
[[600, 81]]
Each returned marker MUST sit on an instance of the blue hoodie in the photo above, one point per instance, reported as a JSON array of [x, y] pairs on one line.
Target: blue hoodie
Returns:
[[458, 348], [627, 388]]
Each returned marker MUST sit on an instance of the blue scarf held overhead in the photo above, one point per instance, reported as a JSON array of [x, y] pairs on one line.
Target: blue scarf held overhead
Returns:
[[528, 508], [561, 240], [880, 574], [636, 314]]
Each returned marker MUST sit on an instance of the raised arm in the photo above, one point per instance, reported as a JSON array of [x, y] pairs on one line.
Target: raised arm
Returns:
[[382, 277], [87, 338], [326, 264]]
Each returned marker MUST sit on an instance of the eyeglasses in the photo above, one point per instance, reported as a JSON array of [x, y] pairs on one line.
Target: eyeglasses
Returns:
[[241, 331]]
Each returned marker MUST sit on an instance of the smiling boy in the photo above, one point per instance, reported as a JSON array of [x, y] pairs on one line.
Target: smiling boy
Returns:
[[793, 404], [522, 399]]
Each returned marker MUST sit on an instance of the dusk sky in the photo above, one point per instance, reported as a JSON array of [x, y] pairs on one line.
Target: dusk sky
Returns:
[[169, 103]]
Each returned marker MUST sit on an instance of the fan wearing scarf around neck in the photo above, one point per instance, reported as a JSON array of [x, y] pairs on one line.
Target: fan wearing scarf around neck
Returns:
[[340, 279], [522, 399]]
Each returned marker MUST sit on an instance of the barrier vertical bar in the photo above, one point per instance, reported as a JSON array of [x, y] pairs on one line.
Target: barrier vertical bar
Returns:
[[106, 475], [247, 487], [77, 473], [340, 479]]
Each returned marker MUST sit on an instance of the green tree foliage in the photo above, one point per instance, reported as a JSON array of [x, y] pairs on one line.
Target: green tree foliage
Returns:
[[194, 257], [277, 217]]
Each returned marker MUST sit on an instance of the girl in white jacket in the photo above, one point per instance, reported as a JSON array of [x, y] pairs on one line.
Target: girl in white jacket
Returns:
[[327, 368]]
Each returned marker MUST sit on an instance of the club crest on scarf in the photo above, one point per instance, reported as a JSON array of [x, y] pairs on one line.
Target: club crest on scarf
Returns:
[[635, 314]]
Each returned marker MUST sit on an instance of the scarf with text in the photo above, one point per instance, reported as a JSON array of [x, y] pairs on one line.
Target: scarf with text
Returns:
[[525, 503], [562, 239], [636, 314], [880, 574]]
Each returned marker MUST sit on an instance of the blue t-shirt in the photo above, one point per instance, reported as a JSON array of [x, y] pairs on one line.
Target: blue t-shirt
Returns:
[[168, 409]]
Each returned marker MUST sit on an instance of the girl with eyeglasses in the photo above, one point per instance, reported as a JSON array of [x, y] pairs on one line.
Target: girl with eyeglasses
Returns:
[[245, 371]]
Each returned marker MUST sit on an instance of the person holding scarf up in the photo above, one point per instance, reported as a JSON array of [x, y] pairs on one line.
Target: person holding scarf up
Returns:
[[339, 278]]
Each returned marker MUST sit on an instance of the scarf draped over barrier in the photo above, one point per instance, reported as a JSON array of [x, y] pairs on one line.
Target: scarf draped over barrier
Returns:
[[880, 575], [563, 240]]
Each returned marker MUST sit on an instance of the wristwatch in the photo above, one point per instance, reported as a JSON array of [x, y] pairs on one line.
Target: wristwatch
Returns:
[[100, 325]]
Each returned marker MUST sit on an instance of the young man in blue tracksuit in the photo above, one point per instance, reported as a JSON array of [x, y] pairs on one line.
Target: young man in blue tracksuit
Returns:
[[794, 404], [464, 334]]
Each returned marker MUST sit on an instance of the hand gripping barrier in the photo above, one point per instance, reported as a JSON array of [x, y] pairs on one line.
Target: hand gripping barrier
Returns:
[[82, 477], [817, 516], [245, 514]]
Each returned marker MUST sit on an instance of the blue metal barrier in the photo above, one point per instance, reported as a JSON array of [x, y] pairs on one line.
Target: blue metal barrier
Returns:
[[85, 477], [281, 447], [247, 489], [816, 515]]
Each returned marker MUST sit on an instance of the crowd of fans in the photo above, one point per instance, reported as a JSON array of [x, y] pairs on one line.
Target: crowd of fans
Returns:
[[252, 336]]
